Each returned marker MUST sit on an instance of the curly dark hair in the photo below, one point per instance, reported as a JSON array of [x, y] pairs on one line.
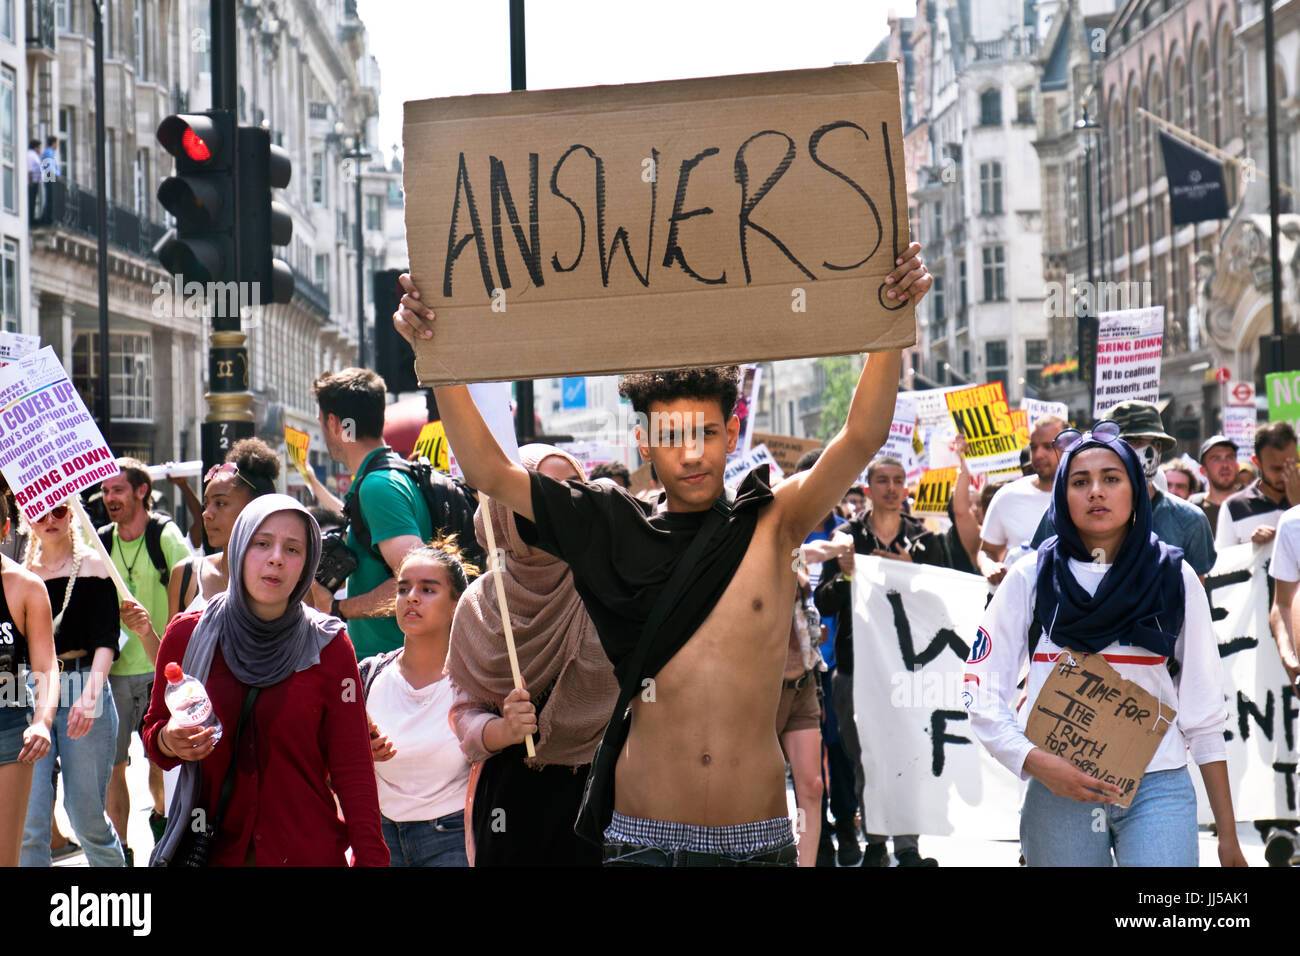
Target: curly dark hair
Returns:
[[257, 462], [718, 381]]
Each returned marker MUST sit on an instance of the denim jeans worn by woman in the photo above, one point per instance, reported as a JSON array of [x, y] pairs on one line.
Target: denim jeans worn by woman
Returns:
[[439, 842]]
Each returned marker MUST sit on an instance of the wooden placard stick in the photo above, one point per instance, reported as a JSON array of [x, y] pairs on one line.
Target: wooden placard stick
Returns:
[[495, 564], [122, 590]]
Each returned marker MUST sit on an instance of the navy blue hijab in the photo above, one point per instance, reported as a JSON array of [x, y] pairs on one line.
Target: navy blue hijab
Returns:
[[1140, 599]]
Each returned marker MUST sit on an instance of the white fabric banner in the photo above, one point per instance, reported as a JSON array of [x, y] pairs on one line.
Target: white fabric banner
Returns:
[[1262, 706], [925, 771]]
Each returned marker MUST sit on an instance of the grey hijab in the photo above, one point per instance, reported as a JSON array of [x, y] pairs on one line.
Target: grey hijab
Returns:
[[259, 653]]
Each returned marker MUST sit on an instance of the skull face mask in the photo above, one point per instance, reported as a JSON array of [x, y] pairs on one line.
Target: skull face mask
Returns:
[[1150, 458]]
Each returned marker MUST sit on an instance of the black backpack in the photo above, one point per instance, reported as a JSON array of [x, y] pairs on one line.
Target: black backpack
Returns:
[[153, 531], [451, 504]]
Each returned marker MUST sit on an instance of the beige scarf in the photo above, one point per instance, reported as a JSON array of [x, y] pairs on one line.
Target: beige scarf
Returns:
[[555, 639]]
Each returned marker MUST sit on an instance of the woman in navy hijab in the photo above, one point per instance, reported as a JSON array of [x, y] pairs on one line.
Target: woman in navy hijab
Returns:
[[1106, 585]]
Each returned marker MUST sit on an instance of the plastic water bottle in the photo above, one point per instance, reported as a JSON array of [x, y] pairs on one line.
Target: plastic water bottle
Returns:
[[188, 701]]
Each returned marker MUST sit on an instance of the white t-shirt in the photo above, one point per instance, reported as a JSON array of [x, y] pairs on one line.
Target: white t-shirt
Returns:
[[1014, 512], [1285, 563], [1001, 649], [428, 776]]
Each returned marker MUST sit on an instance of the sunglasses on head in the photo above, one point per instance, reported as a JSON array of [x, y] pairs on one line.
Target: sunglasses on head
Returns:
[[226, 468], [58, 512], [1105, 431]]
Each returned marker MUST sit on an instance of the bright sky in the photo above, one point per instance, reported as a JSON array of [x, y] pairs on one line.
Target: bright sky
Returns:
[[430, 48]]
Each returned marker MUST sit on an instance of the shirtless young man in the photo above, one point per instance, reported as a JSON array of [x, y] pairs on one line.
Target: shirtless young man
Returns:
[[701, 778]]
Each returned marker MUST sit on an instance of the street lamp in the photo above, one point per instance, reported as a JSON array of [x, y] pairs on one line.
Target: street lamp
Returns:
[[353, 156], [1087, 131]]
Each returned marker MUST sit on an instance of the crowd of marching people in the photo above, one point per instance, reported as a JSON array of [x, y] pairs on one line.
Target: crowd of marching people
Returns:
[[534, 666]]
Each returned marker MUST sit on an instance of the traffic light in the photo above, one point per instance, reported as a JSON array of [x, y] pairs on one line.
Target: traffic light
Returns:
[[201, 196], [263, 223]]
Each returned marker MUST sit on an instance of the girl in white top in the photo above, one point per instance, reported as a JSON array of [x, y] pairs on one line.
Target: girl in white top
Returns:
[[1105, 584], [421, 773]]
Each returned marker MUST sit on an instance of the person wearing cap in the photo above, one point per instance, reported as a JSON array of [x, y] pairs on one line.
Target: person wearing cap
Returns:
[[1174, 521], [1252, 513], [1219, 467]]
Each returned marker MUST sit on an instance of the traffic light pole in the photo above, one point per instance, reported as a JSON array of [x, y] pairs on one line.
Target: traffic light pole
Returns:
[[361, 267], [102, 406], [525, 417], [230, 404]]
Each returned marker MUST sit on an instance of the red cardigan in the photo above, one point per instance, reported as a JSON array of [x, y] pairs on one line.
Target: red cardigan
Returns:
[[306, 740]]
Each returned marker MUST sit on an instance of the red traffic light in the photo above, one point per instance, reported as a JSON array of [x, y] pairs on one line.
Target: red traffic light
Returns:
[[194, 146]]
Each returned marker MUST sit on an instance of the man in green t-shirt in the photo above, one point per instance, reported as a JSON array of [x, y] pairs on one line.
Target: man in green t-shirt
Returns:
[[351, 404], [131, 678]]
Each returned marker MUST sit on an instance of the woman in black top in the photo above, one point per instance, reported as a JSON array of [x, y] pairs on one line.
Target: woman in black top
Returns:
[[26, 643], [84, 734]]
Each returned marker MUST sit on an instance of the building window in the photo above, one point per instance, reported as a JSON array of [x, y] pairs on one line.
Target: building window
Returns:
[[66, 152], [203, 15], [375, 213], [1035, 359], [63, 15], [991, 108], [965, 362], [991, 188], [8, 139], [395, 195], [938, 220], [323, 271], [1025, 105], [130, 373], [7, 27], [995, 360], [318, 178], [961, 285], [9, 285], [141, 184], [995, 274], [938, 301]]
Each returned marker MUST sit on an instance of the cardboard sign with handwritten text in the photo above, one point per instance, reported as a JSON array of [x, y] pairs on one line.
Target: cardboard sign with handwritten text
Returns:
[[658, 225], [1105, 725]]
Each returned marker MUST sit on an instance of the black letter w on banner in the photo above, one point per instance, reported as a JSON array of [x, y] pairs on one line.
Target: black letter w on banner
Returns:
[[944, 638]]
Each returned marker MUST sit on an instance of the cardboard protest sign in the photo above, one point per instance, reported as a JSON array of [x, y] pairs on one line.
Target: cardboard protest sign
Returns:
[[1283, 390], [913, 625], [981, 415], [297, 442], [738, 468], [1239, 424], [935, 492], [1129, 344], [14, 346], [432, 444], [786, 449], [50, 447], [1105, 725], [551, 230], [1037, 411]]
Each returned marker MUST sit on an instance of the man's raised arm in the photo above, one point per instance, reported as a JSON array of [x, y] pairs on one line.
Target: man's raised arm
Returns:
[[808, 497], [485, 466]]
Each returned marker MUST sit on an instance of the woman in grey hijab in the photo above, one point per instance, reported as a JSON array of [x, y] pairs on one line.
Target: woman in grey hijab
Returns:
[[306, 738]]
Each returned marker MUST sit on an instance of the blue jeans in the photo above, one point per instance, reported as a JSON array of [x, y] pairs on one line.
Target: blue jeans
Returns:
[[86, 763], [439, 842], [1159, 829]]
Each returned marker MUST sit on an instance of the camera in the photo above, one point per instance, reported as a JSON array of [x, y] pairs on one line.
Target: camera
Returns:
[[336, 561]]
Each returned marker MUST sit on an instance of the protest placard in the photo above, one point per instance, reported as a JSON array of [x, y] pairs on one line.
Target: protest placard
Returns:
[[1129, 344], [297, 442], [913, 625], [981, 415], [50, 447], [1239, 424], [591, 453], [899, 443], [931, 405], [496, 404], [1105, 725], [14, 346], [1038, 410], [1283, 390], [737, 469], [935, 491], [551, 230], [432, 444], [786, 449]]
